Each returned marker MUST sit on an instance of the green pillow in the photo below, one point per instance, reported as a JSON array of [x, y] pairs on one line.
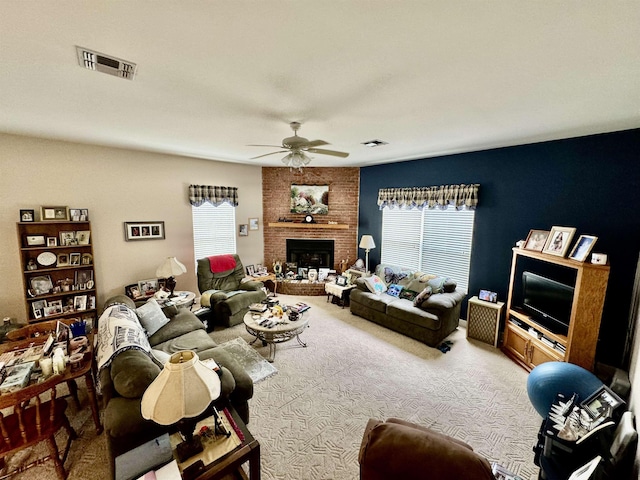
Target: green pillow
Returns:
[[132, 371]]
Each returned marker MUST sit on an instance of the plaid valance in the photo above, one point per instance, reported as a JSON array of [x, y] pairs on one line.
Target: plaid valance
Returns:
[[461, 196], [199, 194]]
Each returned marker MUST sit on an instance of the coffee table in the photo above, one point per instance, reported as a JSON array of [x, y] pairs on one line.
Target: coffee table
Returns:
[[283, 331]]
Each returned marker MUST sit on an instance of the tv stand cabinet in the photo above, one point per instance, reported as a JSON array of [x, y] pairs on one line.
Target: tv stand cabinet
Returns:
[[530, 344]]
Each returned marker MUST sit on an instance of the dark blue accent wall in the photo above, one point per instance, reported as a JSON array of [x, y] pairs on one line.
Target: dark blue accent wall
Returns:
[[591, 183]]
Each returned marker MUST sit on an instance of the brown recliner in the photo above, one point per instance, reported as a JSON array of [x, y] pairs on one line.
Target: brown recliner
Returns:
[[399, 449], [225, 292]]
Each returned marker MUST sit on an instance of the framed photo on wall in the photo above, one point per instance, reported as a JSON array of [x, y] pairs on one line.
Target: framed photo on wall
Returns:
[[253, 224], [243, 230], [310, 199], [558, 241], [143, 231]]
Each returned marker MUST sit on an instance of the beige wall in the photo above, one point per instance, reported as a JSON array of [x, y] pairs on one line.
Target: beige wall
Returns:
[[116, 186]]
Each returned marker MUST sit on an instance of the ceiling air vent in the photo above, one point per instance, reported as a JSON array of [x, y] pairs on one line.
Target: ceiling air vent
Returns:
[[110, 65]]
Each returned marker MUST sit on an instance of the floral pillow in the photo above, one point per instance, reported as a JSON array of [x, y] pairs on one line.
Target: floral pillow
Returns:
[[375, 284]]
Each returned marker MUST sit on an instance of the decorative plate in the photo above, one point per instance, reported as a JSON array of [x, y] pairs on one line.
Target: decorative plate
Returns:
[[46, 259]]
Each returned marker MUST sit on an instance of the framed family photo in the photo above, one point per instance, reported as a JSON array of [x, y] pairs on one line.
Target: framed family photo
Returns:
[[536, 240], [54, 213], [253, 224], [134, 231], [27, 215], [602, 403], [558, 241]]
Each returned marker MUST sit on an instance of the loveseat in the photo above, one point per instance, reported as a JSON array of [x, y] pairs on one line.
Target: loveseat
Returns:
[[422, 306], [221, 281], [125, 373]]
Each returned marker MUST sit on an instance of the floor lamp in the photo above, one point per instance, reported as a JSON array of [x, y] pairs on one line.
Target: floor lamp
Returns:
[[366, 242]]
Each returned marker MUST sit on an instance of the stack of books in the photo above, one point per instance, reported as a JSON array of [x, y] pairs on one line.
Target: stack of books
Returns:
[[300, 307], [17, 377], [258, 307]]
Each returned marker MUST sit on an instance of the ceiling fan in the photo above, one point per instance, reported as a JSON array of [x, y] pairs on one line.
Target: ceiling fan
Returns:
[[297, 148]]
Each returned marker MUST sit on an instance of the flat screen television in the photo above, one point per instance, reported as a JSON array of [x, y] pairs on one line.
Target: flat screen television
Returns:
[[548, 302]]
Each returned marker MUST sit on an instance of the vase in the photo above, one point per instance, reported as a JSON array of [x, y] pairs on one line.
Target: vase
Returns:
[[312, 275]]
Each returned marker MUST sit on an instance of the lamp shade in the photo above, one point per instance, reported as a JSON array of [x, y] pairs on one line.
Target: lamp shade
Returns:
[[171, 267], [367, 242], [184, 389]]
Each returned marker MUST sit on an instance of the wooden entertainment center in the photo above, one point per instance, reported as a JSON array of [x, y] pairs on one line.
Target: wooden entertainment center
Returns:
[[529, 343]]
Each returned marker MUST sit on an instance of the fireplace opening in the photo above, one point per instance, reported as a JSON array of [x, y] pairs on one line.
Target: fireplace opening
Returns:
[[310, 253]]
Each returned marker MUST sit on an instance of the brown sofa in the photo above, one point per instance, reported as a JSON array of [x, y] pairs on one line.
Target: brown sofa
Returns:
[[400, 449], [430, 321]]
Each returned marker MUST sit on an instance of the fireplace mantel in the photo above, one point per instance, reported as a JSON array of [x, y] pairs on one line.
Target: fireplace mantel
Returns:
[[327, 226]]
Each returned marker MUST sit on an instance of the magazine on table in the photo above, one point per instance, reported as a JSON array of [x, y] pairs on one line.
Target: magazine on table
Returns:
[[502, 473]]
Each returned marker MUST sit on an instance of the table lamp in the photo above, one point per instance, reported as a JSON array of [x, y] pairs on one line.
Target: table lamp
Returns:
[[169, 269], [183, 390], [366, 242]]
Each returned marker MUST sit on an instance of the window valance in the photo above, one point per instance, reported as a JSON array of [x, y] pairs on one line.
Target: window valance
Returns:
[[461, 196], [200, 194]]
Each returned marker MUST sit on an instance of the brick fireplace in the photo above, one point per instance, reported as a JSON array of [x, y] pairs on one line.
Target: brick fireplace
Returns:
[[344, 190]]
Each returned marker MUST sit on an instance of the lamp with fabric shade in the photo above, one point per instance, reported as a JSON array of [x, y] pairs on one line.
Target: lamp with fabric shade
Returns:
[[366, 242], [184, 389], [169, 269]]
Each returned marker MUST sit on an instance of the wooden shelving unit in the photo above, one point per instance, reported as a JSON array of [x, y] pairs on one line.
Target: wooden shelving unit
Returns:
[[522, 342], [36, 268], [326, 226]]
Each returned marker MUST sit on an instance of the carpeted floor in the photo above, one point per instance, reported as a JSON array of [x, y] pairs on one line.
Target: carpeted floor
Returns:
[[310, 416], [256, 366]]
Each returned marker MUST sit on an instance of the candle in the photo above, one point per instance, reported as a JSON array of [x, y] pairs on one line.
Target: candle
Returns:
[[46, 364]]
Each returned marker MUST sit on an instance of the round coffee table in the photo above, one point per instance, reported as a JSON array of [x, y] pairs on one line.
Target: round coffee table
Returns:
[[283, 331]]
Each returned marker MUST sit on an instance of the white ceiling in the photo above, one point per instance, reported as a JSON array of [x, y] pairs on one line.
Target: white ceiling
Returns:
[[429, 77]]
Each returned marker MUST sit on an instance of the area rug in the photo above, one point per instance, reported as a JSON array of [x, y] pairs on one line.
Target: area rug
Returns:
[[256, 366]]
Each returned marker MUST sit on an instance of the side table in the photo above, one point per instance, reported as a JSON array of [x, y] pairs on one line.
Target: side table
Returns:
[[342, 293], [183, 299]]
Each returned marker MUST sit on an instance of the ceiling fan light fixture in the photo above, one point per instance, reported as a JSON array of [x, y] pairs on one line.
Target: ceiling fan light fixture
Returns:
[[296, 159]]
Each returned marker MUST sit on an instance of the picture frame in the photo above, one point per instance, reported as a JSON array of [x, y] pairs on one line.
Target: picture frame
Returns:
[[303, 272], [488, 296], [291, 267], [558, 241], [602, 402], [87, 259], [63, 260], [136, 231], [34, 240], [52, 241], [27, 216], [353, 275], [253, 224], [83, 237], [49, 214], [38, 308], [581, 250], [250, 270], [243, 230], [82, 277], [310, 199], [341, 280], [148, 287], [63, 332], [133, 291], [536, 240], [80, 302], [79, 214], [75, 258], [67, 238], [41, 284]]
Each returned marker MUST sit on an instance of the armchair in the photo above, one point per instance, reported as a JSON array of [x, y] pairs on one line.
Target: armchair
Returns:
[[399, 449], [220, 281]]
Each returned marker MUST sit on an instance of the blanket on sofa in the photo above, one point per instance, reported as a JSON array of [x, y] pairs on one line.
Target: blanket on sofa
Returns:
[[221, 263], [119, 329]]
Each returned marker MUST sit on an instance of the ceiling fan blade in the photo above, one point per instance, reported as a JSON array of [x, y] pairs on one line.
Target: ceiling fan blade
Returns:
[[272, 146], [316, 143], [267, 154], [328, 152]]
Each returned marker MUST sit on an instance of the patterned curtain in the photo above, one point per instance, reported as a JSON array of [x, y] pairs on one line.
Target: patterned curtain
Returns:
[[199, 194], [461, 196]]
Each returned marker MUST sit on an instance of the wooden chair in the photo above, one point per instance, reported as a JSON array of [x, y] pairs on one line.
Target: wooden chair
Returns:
[[37, 415]]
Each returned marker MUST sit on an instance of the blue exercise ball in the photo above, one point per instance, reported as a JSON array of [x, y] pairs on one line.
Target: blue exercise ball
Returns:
[[548, 379]]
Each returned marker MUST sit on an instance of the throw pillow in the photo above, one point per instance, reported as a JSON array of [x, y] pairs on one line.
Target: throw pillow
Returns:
[[393, 277], [375, 284], [394, 290], [132, 371], [151, 317], [422, 296]]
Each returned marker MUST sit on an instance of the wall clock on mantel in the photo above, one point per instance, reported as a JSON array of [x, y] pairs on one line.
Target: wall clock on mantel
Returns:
[[308, 219]]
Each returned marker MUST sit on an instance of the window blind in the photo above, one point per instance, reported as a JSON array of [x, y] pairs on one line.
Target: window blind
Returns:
[[435, 241], [214, 230]]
